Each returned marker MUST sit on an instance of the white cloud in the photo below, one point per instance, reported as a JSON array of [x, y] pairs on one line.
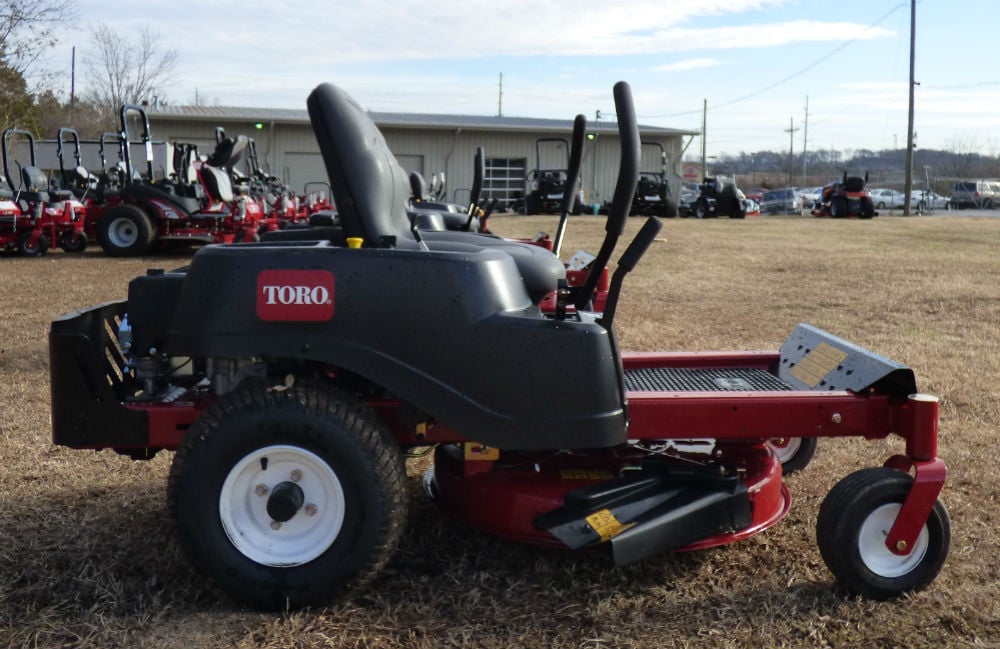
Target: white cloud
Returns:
[[689, 64]]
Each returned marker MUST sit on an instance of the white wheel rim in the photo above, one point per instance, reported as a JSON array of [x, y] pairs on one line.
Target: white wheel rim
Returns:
[[123, 232], [786, 448], [874, 553], [243, 506]]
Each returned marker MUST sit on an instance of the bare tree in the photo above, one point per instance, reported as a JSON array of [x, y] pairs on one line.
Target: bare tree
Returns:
[[28, 29], [122, 71], [964, 159]]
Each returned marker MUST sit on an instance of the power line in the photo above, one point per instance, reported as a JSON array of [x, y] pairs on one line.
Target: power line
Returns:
[[790, 77]]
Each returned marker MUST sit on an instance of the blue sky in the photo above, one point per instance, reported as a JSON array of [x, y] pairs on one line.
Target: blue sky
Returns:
[[755, 61]]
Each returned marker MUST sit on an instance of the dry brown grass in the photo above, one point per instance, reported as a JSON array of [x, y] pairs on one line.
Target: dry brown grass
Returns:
[[88, 557]]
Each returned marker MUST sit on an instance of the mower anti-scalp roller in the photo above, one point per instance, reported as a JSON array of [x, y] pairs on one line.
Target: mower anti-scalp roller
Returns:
[[291, 376]]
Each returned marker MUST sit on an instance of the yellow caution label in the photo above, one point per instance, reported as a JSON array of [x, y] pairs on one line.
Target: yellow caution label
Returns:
[[605, 524], [818, 364], [585, 474], [481, 453]]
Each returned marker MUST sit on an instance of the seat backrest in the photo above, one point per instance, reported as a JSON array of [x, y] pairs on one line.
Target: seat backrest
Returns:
[[854, 184], [418, 186], [370, 188], [33, 179], [217, 183]]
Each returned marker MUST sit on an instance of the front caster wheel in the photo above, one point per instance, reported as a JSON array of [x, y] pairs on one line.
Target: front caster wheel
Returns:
[[288, 498], [33, 246], [853, 523], [794, 453], [72, 241]]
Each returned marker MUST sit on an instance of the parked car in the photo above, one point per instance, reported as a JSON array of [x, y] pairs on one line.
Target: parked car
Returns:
[[810, 196], [923, 200], [884, 198], [781, 201], [976, 193]]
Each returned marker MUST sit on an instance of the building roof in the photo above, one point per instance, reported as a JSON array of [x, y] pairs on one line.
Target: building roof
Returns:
[[399, 120]]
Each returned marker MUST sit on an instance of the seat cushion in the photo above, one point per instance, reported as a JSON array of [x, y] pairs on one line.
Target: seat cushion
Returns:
[[540, 269]]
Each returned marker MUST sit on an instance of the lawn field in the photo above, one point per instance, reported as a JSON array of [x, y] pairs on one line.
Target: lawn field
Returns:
[[88, 556]]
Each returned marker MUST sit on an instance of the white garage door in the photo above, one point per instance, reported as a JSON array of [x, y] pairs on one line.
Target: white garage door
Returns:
[[411, 163]]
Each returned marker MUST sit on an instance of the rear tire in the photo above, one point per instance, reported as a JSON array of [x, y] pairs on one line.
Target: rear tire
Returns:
[[125, 231], [851, 528], [838, 207], [701, 209], [867, 208], [288, 497]]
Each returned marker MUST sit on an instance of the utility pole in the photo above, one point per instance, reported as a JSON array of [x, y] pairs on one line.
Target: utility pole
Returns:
[[908, 187], [500, 98], [805, 142], [791, 146], [72, 83], [704, 120]]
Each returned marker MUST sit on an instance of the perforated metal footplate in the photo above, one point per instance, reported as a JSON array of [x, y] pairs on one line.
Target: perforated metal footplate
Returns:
[[672, 379]]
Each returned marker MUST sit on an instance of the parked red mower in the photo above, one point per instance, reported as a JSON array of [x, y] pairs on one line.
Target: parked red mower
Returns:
[[34, 216], [846, 198], [202, 210], [291, 378]]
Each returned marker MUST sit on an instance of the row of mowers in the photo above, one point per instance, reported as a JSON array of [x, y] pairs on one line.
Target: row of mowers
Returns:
[[292, 376], [33, 217], [223, 197], [544, 188]]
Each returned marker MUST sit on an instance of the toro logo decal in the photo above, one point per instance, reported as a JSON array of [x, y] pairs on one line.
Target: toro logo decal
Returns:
[[295, 295]]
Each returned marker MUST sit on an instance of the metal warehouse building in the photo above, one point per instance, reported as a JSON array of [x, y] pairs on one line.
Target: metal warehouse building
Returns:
[[430, 144]]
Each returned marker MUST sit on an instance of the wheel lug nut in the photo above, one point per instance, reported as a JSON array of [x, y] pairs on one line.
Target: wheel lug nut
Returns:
[[311, 510], [296, 475], [260, 490]]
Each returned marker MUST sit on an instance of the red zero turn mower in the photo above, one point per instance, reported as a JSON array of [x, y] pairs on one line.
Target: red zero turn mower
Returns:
[[33, 216], [291, 377], [142, 211]]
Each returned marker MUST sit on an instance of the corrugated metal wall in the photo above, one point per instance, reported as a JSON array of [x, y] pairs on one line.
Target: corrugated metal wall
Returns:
[[448, 150]]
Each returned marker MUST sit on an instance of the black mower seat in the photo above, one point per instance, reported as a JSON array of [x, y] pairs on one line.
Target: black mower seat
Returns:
[[217, 183], [372, 192], [540, 269], [854, 184]]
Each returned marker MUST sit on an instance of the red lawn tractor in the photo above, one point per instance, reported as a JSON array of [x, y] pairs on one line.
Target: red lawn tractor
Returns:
[[846, 198], [144, 211], [34, 216], [293, 377]]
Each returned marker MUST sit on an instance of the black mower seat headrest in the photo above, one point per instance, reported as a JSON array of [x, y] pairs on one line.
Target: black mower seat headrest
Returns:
[[418, 186], [370, 188], [854, 184], [222, 153]]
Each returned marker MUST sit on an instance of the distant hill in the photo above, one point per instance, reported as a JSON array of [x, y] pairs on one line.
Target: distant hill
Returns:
[[939, 168]]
